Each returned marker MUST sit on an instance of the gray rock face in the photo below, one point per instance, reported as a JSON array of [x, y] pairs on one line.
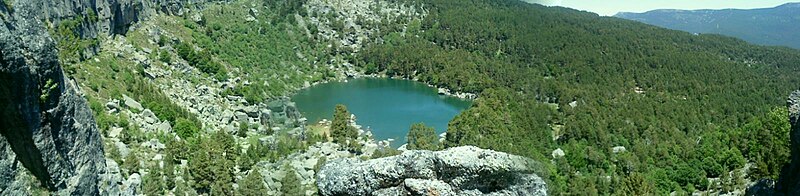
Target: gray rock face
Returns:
[[100, 17], [47, 128], [456, 171], [789, 182], [113, 16]]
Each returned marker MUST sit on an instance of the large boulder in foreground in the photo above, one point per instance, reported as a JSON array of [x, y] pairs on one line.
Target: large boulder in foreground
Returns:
[[789, 182], [462, 170]]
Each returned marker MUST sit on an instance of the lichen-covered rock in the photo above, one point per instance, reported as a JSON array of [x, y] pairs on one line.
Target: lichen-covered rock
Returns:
[[789, 182], [46, 125], [456, 171]]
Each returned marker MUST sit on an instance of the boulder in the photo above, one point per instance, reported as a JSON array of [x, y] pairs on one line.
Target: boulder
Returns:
[[241, 116], [122, 148], [455, 171], [618, 149], [131, 186], [149, 114], [164, 127], [114, 132], [133, 104], [252, 112], [112, 105], [558, 153]]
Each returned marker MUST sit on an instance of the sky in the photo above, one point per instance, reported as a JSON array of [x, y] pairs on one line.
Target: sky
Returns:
[[611, 7]]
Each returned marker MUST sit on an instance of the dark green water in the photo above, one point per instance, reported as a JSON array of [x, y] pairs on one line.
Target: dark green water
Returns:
[[388, 107]]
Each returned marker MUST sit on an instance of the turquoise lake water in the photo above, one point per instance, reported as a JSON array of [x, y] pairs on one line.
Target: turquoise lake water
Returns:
[[388, 107]]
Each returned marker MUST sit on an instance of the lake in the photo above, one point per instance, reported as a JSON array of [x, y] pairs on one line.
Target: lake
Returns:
[[388, 107]]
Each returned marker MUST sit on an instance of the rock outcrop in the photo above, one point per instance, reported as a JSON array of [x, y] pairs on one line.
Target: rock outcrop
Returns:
[[789, 182], [109, 16], [456, 171], [48, 131]]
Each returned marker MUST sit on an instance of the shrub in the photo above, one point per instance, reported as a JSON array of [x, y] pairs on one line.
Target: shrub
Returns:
[[165, 57], [186, 128], [202, 61], [131, 163], [421, 137], [243, 128]]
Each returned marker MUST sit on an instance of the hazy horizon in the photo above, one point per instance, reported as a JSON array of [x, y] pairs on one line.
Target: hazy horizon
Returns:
[[611, 7]]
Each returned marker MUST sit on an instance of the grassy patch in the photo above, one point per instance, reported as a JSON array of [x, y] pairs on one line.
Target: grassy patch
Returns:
[[70, 44]]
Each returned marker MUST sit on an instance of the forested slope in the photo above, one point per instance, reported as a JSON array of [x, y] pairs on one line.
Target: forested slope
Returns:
[[553, 78]]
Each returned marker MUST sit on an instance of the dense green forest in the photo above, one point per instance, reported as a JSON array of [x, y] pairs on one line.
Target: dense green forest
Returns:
[[685, 107]]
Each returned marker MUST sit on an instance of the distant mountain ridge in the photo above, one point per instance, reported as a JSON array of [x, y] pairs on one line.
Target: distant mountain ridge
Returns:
[[776, 26]]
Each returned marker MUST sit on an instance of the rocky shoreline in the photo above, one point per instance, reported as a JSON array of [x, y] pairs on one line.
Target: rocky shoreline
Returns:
[[440, 90]]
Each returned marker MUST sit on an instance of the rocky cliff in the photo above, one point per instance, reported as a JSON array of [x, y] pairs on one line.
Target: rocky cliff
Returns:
[[48, 131], [108, 16], [456, 171], [789, 182], [50, 140]]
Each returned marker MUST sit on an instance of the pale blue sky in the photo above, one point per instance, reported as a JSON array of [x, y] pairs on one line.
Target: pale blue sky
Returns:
[[611, 7]]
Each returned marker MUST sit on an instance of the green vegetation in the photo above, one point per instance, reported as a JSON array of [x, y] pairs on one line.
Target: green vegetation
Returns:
[[421, 137], [252, 185], [132, 163], [47, 89], [212, 164], [165, 57], [70, 44], [765, 142], [341, 131], [186, 128], [270, 58], [243, 128], [673, 99], [153, 182], [385, 152], [290, 184], [110, 78], [686, 107], [340, 126], [269, 52], [202, 61]]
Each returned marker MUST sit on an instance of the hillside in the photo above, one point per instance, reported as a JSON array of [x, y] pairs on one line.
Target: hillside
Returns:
[[768, 26], [612, 97], [191, 97]]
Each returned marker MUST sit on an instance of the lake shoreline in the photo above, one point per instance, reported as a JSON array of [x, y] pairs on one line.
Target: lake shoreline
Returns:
[[441, 90], [402, 102]]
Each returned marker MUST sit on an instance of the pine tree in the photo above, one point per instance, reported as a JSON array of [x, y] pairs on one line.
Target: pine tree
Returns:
[[153, 182], [342, 132], [421, 137], [212, 164], [252, 185], [227, 144], [290, 184]]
